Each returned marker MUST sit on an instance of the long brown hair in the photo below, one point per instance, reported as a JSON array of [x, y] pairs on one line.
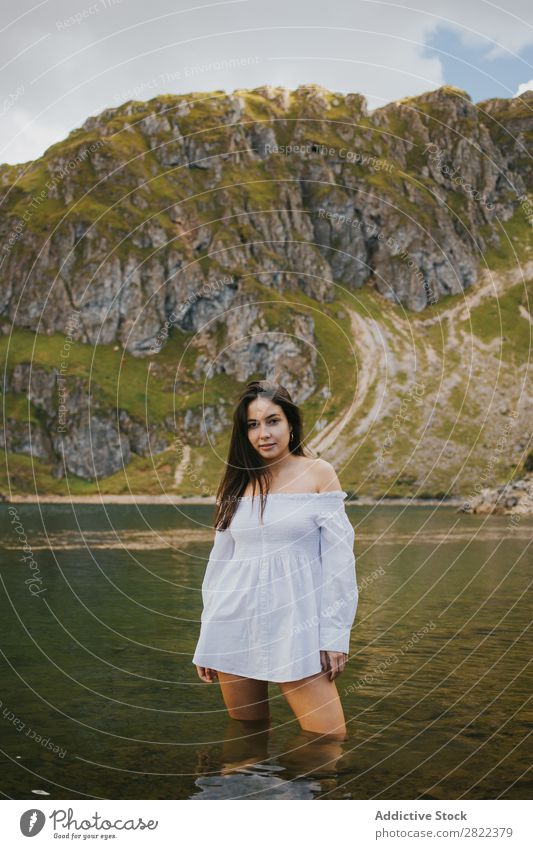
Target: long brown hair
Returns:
[[244, 464]]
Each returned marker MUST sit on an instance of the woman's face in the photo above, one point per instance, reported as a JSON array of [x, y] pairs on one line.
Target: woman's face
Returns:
[[268, 429]]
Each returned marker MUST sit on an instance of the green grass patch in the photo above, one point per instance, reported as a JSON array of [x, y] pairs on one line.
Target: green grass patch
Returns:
[[515, 244], [19, 408], [500, 318]]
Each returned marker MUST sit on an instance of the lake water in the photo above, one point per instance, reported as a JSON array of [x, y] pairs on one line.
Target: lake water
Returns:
[[100, 698]]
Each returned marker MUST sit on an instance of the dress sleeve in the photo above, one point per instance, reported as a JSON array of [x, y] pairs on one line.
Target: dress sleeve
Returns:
[[339, 592], [222, 551]]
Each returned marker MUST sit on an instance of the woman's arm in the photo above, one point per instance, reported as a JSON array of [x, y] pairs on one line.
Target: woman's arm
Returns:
[[339, 592], [221, 552]]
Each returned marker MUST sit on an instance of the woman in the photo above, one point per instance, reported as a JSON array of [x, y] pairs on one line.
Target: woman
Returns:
[[279, 591]]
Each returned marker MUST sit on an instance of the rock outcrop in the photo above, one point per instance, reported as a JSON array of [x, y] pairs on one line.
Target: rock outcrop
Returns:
[[514, 498], [229, 221], [183, 203]]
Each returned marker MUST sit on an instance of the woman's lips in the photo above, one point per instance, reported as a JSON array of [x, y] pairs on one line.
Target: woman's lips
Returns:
[[268, 445]]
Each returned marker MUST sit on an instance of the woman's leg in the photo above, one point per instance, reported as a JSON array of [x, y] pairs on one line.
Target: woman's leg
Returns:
[[245, 743], [316, 705], [245, 698]]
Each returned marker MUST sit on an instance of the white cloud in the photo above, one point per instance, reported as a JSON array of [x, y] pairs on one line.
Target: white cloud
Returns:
[[29, 137], [497, 30], [524, 87]]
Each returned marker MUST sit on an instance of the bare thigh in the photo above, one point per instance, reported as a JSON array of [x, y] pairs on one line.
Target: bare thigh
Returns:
[[245, 698], [316, 704]]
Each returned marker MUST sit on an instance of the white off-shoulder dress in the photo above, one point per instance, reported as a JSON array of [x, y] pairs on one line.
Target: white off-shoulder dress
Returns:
[[275, 594]]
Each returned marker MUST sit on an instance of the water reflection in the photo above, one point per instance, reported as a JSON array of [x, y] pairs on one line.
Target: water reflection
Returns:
[[247, 768], [245, 743], [436, 693]]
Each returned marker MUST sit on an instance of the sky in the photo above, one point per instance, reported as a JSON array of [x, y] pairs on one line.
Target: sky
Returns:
[[64, 60]]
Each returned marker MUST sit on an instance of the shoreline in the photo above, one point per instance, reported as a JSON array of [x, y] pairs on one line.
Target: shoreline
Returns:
[[209, 500]]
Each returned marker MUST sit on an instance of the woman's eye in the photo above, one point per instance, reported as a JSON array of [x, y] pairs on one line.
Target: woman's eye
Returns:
[[273, 421]]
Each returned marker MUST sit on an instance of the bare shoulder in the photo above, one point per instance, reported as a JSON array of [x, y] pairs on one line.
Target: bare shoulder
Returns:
[[325, 476]]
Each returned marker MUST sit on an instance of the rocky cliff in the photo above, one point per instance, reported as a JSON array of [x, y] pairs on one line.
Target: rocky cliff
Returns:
[[198, 240]]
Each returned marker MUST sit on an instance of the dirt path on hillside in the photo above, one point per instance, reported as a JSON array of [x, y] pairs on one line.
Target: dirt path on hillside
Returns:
[[366, 367], [181, 466], [491, 285]]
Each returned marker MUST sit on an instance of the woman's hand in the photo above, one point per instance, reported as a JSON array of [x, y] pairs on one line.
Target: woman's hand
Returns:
[[334, 662], [206, 674]]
